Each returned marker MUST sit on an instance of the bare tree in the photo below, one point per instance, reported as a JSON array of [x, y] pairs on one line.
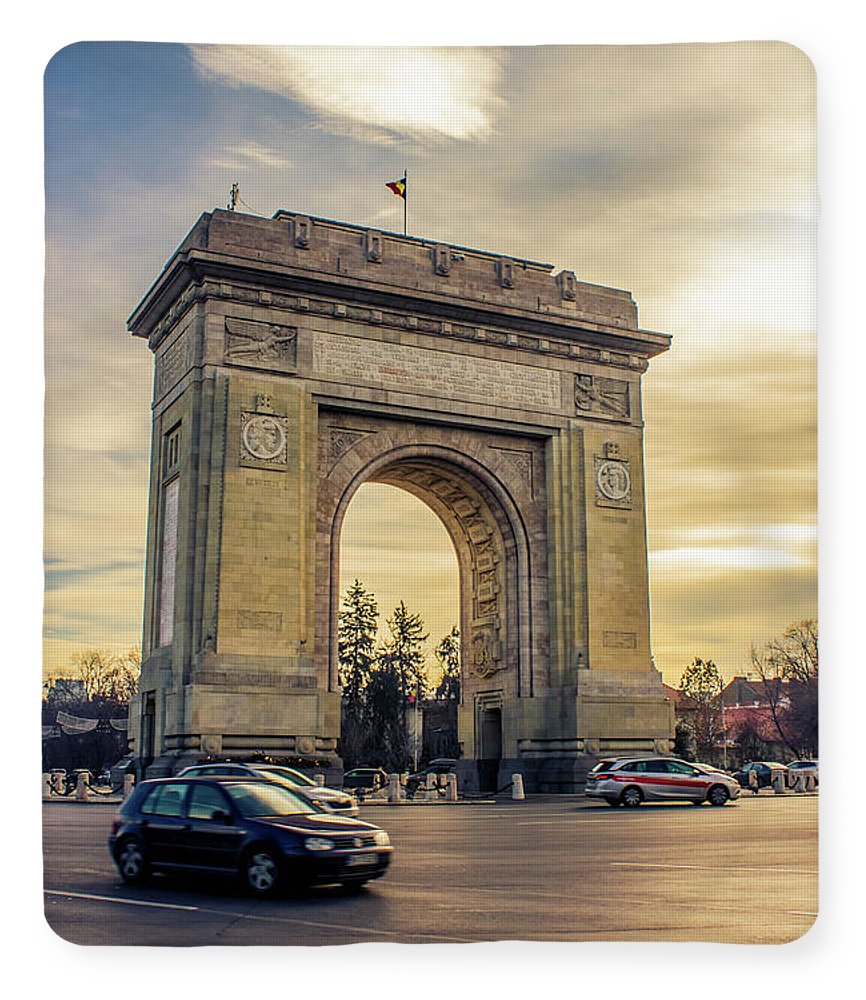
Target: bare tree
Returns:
[[787, 668]]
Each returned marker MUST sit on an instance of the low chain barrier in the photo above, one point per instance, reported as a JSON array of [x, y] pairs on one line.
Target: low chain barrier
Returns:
[[60, 785]]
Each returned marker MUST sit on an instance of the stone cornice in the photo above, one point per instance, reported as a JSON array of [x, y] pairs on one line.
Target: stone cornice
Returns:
[[193, 265], [621, 349]]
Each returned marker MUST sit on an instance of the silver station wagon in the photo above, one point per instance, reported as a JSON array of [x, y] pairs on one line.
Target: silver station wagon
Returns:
[[629, 781]]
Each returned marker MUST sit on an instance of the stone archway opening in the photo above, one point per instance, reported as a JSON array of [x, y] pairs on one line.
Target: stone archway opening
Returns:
[[398, 548], [500, 565]]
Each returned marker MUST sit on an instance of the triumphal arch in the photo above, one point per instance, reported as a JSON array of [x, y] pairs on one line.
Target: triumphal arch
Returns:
[[297, 358]]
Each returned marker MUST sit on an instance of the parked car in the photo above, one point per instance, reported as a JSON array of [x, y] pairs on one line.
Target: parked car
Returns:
[[262, 832], [368, 779], [803, 767], [629, 781], [440, 767], [328, 798], [764, 769]]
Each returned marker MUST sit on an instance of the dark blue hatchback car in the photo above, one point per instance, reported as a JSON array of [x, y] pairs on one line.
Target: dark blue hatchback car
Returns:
[[254, 829]]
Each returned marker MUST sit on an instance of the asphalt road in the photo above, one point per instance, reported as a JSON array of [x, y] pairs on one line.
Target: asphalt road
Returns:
[[551, 868]]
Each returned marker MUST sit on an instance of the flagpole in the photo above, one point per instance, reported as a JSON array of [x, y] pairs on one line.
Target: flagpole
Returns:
[[405, 198]]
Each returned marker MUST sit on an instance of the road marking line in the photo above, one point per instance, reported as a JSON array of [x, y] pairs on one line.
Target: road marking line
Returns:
[[117, 899], [713, 868], [380, 932], [802, 913]]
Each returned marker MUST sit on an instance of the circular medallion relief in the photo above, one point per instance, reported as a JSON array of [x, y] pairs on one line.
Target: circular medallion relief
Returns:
[[264, 438], [613, 480]]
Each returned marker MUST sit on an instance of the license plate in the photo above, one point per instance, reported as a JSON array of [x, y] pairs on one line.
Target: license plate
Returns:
[[359, 860]]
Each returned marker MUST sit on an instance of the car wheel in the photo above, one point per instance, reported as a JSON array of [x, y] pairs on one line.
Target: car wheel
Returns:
[[261, 872], [631, 797], [131, 862], [717, 795]]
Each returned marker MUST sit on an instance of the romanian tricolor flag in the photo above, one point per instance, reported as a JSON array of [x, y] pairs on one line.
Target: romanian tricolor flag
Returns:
[[398, 187]]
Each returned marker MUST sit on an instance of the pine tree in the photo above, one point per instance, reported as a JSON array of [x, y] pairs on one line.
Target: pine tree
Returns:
[[403, 652], [359, 620], [448, 655]]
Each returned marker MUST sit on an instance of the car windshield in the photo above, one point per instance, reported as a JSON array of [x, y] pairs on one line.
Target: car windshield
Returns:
[[288, 774], [604, 765], [264, 799]]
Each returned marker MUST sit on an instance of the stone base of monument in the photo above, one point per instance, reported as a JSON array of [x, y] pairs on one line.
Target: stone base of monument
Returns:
[[549, 774]]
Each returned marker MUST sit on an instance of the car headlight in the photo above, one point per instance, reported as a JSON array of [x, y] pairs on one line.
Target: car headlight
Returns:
[[381, 838], [319, 844]]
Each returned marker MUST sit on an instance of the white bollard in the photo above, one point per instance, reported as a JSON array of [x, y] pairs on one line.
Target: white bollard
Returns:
[[753, 781], [798, 783], [517, 787], [128, 785], [395, 792], [810, 783], [320, 780], [83, 786], [57, 782], [46, 785], [450, 787], [778, 780]]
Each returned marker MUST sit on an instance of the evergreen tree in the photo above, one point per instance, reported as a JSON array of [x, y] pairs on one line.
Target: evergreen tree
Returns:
[[701, 685], [386, 739], [403, 652], [448, 655], [359, 618]]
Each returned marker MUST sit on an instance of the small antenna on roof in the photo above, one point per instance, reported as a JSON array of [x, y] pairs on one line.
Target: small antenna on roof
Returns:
[[234, 195]]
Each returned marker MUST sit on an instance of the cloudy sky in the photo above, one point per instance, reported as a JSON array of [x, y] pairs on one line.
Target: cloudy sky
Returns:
[[685, 173]]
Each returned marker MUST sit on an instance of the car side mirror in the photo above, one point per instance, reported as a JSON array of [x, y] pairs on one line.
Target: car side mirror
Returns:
[[222, 815]]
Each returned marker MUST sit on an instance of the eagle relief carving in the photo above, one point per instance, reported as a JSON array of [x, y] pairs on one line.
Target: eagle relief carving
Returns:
[[260, 345]]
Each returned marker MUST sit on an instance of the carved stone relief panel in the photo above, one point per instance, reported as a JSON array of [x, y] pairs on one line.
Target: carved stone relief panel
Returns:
[[595, 394], [340, 440], [612, 479], [264, 437], [253, 344]]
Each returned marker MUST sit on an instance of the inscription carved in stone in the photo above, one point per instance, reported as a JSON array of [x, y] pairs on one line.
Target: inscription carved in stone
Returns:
[[605, 396], [172, 364], [268, 621], [619, 640], [419, 369]]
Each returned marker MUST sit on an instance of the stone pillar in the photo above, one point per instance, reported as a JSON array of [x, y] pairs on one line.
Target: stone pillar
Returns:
[[128, 785], [778, 780], [395, 792], [46, 786], [517, 787], [57, 782], [82, 788], [450, 787]]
